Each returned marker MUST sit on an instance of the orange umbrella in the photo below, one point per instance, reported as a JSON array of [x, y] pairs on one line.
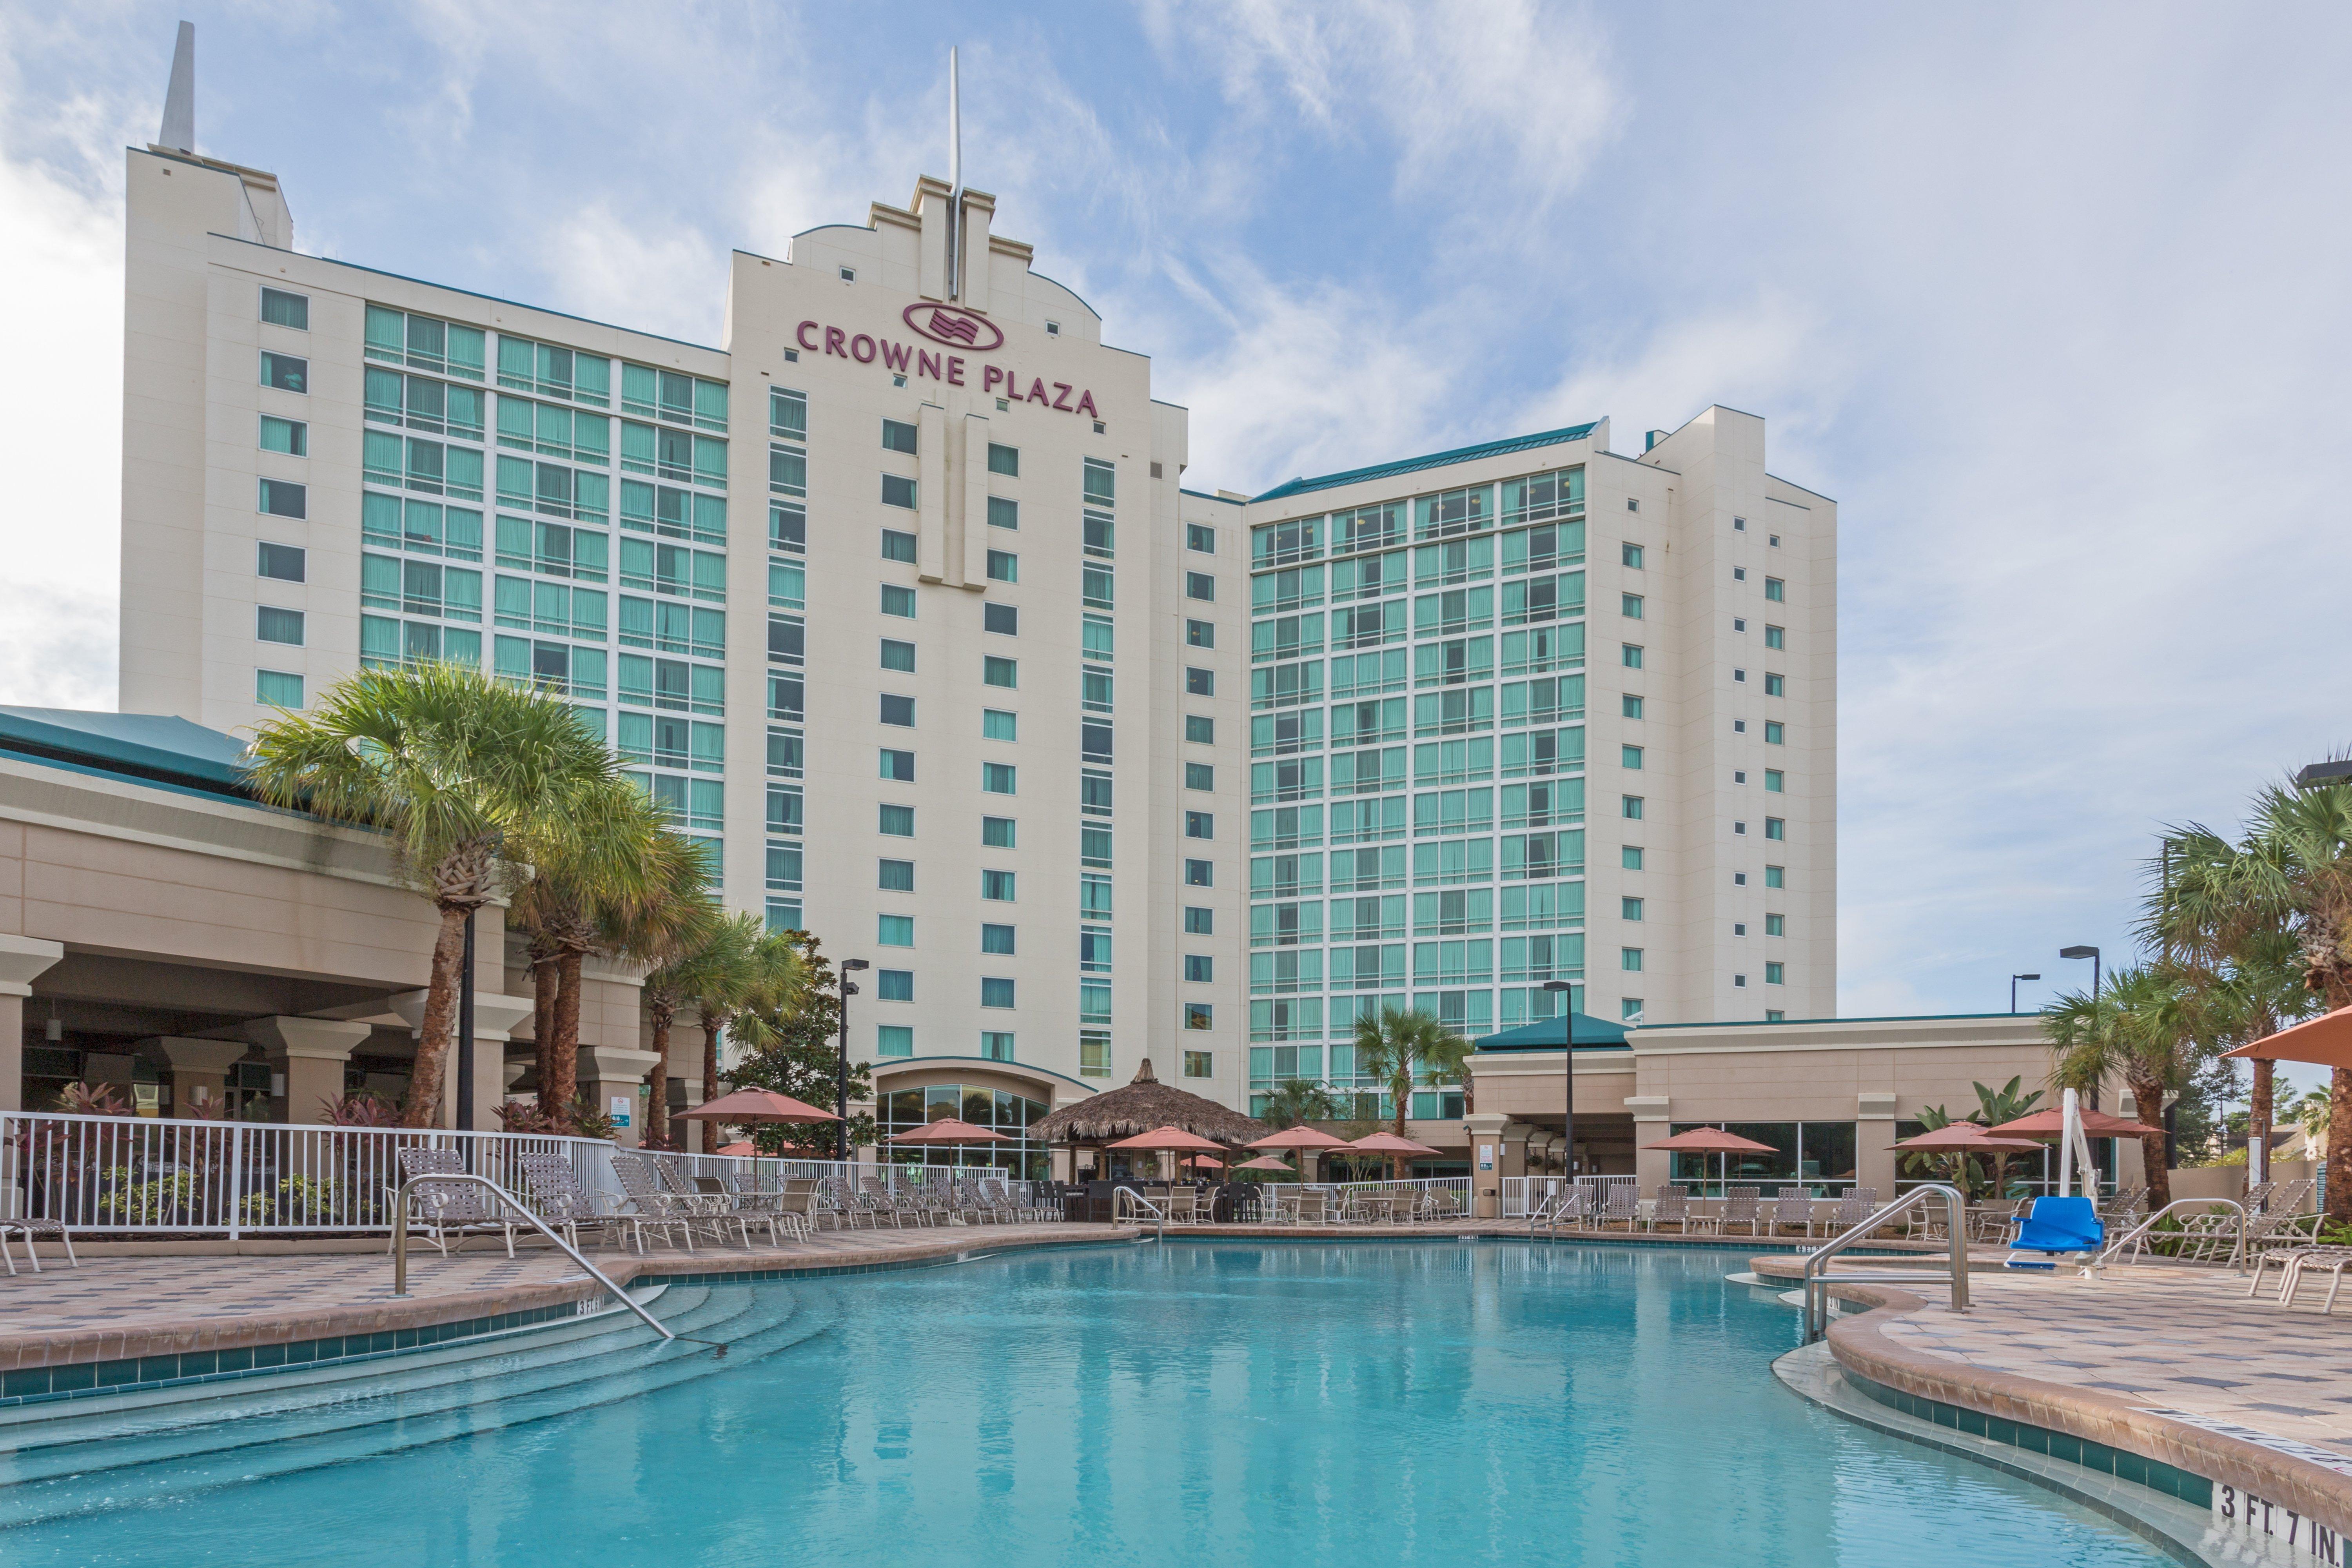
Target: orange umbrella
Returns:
[[745, 1150], [948, 1129], [2325, 1040], [1961, 1137], [1174, 1139], [1710, 1141], [1391, 1145], [2096, 1124], [1300, 1138], [1264, 1163], [1203, 1163], [758, 1105]]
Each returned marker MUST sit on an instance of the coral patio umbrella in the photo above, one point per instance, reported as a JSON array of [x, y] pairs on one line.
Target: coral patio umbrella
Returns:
[[749, 1105], [2096, 1124], [740, 1148], [1961, 1137], [1711, 1140], [1300, 1138], [1174, 1139], [1265, 1163], [2326, 1041], [1394, 1147], [948, 1129]]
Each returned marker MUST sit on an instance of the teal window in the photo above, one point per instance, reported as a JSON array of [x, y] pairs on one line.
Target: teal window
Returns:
[[280, 308], [898, 767], [1775, 733], [899, 491], [894, 1039], [1775, 925], [1200, 775], [998, 832], [898, 710], [1630, 1010], [995, 992], [286, 372], [787, 414], [1775, 589], [278, 625], [893, 985], [996, 724], [1095, 587], [278, 688], [1775, 685], [1630, 706], [898, 435], [291, 436], [997, 671], [1201, 537], [285, 563], [1630, 656], [896, 876], [1775, 781], [1630, 555], [997, 778], [1629, 807], [279, 497], [1776, 827], [1004, 459], [1630, 857], [1776, 974], [897, 600], [998, 886], [1101, 482], [1200, 729], [1003, 566], [1199, 922], [894, 930], [1629, 908], [1776, 636], [1004, 513], [1629, 757], [1199, 586], [1199, 874], [1629, 959], [1776, 875], [787, 584], [1199, 1015], [897, 821], [996, 1044], [1630, 606], [897, 655], [996, 939], [1004, 620]]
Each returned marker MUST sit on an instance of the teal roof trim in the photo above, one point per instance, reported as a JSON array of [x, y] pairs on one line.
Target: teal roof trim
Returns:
[[1547, 1035], [1434, 461], [154, 747]]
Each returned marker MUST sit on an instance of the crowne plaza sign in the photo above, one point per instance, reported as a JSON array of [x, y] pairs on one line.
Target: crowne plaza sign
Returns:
[[952, 329]]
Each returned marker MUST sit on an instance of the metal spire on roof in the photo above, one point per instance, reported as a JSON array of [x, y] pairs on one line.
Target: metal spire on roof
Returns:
[[179, 131], [955, 179]]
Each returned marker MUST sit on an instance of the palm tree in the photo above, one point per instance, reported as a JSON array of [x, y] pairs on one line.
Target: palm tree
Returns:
[[2142, 1028], [1297, 1100], [766, 978], [1391, 1042], [665, 933], [2310, 1115], [474, 782], [1996, 1108], [2292, 874]]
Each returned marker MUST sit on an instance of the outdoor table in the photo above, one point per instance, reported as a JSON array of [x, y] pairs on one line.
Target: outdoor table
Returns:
[[1386, 1201]]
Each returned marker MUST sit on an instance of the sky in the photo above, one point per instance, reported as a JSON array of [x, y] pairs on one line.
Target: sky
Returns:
[[2050, 299]]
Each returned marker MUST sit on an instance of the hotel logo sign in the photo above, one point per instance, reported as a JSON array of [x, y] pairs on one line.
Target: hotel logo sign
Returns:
[[957, 328]]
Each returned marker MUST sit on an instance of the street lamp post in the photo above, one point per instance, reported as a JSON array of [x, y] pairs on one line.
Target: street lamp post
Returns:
[[840, 1064], [1567, 993], [2012, 988], [2093, 954]]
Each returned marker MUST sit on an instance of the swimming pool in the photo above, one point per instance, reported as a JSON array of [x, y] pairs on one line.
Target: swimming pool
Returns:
[[1294, 1403]]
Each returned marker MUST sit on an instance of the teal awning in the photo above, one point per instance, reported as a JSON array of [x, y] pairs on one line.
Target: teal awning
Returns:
[[1549, 1034]]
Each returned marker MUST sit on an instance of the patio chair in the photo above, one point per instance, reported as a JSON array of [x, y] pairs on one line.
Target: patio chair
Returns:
[[2293, 1264], [30, 1229], [2256, 1198], [762, 1201], [1312, 1207], [709, 1206], [1995, 1224], [835, 1206], [555, 1194], [1854, 1208], [1620, 1204], [1572, 1208], [1741, 1206], [2287, 1198], [1672, 1207], [653, 1199], [1792, 1206], [1440, 1204], [879, 1202], [444, 1210]]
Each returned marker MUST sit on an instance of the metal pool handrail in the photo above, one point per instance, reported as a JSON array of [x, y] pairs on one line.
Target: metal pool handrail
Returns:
[[1817, 1280], [400, 1241], [2237, 1252], [1121, 1197]]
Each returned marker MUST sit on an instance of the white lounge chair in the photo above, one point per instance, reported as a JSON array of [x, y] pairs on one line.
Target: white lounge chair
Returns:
[[446, 1209]]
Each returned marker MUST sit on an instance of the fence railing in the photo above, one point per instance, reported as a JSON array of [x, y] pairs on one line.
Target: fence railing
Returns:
[[135, 1175], [1274, 1192], [1522, 1194]]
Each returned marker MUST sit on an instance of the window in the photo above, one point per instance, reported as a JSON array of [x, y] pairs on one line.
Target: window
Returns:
[[1630, 1009], [894, 1040], [1200, 634], [1629, 757], [1776, 974], [899, 765], [1775, 925], [996, 724], [897, 600], [1004, 513], [1629, 908], [1199, 825], [1630, 706], [1738, 623], [893, 985], [280, 308], [899, 491], [898, 710], [1738, 525], [1630, 555], [276, 689], [997, 832], [1739, 675], [1200, 775], [996, 939], [898, 546], [1775, 685], [997, 887], [1629, 807], [1200, 682], [1199, 1015], [1629, 959], [898, 821], [898, 656], [1200, 730], [1630, 857], [1776, 875], [995, 993], [1196, 1064], [1199, 586], [1776, 827], [894, 931], [1199, 922], [1199, 874], [1630, 606], [279, 498], [1775, 734], [1739, 827], [285, 372], [1201, 537], [1004, 459], [1776, 636], [1775, 781], [1003, 566], [1630, 656], [1775, 590], [286, 563], [1004, 620], [1200, 969], [996, 778], [278, 625], [898, 436], [1631, 504], [290, 436], [1740, 726], [999, 671], [1094, 1053]]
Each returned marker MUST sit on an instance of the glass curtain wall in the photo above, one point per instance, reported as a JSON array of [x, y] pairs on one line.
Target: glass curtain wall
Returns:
[[1000, 1111]]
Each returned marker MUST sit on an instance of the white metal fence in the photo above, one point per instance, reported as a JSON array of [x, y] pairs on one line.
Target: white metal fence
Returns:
[[1273, 1193], [146, 1175], [1522, 1194]]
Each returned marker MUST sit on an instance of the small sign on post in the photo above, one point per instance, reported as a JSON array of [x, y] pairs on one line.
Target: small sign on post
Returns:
[[621, 1107]]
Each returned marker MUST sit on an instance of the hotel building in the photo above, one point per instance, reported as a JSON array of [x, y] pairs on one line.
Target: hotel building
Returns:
[[901, 596]]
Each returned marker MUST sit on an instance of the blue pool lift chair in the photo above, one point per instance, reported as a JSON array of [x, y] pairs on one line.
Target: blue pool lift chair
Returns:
[[2056, 1228]]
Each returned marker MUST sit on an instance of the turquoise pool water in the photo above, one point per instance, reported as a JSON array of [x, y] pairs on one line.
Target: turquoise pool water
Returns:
[[1294, 1404]]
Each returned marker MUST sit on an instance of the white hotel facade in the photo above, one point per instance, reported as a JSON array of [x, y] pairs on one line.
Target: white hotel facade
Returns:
[[901, 598]]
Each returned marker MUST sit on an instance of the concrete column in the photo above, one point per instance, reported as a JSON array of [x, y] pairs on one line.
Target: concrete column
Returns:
[[1485, 1130], [199, 1067], [311, 1052], [697, 1133], [22, 959], [608, 1073], [1653, 1168], [1874, 1144]]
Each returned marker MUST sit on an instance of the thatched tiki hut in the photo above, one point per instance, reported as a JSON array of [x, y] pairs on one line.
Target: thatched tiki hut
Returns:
[[1143, 1105]]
